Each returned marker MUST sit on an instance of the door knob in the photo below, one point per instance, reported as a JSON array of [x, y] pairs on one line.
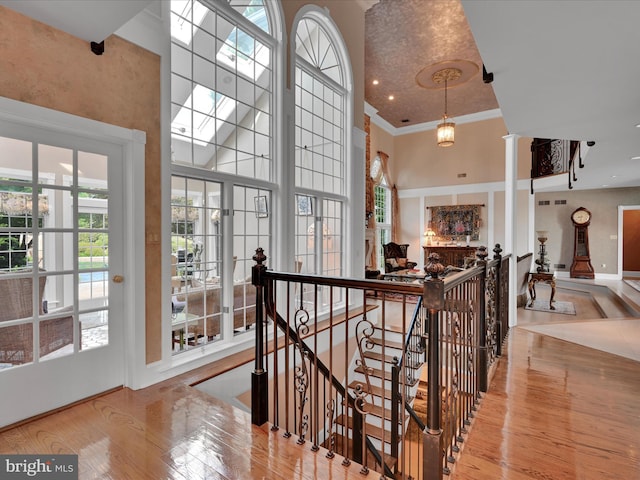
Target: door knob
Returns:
[[118, 279]]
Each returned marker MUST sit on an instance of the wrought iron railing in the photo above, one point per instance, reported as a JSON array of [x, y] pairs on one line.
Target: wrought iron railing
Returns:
[[340, 363], [554, 157]]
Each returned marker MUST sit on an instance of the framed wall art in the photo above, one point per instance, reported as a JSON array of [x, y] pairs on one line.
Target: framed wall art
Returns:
[[304, 205], [456, 221], [262, 211]]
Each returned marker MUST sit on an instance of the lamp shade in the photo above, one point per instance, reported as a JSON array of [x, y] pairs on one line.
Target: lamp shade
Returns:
[[446, 132]]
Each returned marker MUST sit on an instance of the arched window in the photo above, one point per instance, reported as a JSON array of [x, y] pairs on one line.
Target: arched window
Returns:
[[321, 138], [383, 203], [222, 151]]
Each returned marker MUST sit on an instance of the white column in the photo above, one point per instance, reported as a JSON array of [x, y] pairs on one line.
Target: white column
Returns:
[[510, 221]]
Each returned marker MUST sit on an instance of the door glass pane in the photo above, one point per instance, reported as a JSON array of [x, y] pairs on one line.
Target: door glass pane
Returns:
[[16, 344], [92, 223], [15, 160], [57, 237], [92, 171], [94, 329]]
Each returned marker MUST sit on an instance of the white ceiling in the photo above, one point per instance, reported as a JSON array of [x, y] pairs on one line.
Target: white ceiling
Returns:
[[92, 21], [569, 70], [565, 69]]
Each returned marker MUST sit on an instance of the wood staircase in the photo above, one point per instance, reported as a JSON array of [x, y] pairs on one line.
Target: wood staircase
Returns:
[[371, 371]]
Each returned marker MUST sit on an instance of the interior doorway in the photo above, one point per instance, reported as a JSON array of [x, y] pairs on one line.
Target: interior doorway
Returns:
[[629, 239]]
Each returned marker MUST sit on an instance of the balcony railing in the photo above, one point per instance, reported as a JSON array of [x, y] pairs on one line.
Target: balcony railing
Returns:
[[555, 157], [384, 374]]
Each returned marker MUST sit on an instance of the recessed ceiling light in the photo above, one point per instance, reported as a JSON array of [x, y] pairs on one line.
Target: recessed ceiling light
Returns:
[[375, 82], [637, 125], [635, 158], [391, 97]]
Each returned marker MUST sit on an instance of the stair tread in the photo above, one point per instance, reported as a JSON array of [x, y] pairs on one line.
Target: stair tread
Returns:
[[376, 372], [395, 345], [376, 391], [371, 430], [390, 359], [379, 411], [339, 447]]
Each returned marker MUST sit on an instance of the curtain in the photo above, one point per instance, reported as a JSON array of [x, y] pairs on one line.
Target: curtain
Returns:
[[395, 214]]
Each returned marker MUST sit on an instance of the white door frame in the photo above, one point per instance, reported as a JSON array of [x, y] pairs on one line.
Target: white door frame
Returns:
[[132, 143]]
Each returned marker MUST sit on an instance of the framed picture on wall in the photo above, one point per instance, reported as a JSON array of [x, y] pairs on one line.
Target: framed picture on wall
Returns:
[[304, 204], [456, 221], [262, 210]]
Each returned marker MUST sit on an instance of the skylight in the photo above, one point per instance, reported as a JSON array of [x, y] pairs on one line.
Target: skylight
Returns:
[[182, 23], [210, 110], [241, 50]]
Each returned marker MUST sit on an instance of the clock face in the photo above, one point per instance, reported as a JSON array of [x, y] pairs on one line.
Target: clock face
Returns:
[[580, 216]]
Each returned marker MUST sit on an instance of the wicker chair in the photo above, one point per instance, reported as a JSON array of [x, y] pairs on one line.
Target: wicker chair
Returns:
[[395, 257], [16, 341]]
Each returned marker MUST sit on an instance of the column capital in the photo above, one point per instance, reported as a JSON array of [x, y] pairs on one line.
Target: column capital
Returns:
[[509, 136]]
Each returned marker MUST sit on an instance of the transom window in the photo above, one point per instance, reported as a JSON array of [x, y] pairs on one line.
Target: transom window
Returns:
[[222, 78]]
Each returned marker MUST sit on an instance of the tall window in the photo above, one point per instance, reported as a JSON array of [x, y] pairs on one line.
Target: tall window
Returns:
[[320, 168], [222, 162], [382, 205]]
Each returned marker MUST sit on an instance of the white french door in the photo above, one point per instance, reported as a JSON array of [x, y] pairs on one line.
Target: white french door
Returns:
[[61, 230]]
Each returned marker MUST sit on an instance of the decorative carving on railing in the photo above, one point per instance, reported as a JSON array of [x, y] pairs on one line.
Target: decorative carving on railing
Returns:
[[491, 289], [331, 410], [364, 332], [553, 157], [301, 373]]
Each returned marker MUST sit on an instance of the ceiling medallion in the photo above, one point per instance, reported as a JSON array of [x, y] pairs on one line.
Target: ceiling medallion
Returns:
[[426, 77], [447, 75]]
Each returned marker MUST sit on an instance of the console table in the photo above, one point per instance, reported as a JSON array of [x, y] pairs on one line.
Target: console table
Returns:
[[449, 254], [544, 277]]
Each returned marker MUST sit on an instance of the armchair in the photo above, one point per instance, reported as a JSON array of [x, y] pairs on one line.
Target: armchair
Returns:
[[395, 257]]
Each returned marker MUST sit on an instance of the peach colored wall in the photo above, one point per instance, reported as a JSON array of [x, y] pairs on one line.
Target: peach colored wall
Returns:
[[349, 18], [479, 152], [417, 162], [47, 67]]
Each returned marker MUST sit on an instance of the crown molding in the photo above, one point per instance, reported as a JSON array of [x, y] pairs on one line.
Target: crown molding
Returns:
[[423, 127]]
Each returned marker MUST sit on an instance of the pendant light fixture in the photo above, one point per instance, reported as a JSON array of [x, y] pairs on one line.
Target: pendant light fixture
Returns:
[[446, 129]]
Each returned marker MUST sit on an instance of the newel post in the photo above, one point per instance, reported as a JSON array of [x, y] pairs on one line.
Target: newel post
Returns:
[[260, 376], [482, 373], [433, 301]]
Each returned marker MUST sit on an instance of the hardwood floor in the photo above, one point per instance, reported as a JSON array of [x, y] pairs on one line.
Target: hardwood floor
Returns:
[[555, 410], [170, 431]]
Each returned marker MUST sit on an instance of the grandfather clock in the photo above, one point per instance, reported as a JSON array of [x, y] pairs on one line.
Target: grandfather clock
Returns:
[[581, 266]]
